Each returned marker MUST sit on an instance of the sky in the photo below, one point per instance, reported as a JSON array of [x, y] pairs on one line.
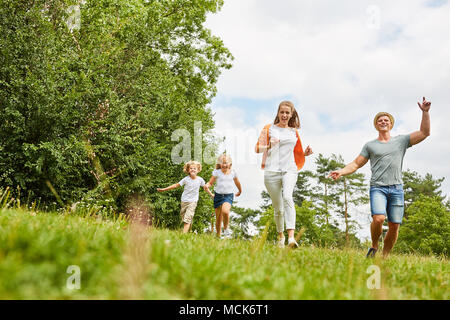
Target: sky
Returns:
[[340, 62]]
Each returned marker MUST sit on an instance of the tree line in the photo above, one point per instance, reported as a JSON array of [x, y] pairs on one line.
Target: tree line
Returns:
[[323, 205], [88, 104]]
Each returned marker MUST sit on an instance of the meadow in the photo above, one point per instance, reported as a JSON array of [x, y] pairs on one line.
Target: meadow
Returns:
[[116, 259]]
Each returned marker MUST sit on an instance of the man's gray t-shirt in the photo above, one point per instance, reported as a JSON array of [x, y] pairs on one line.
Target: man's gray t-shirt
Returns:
[[386, 159]]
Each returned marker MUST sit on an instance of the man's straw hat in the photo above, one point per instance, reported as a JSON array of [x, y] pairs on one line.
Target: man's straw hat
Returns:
[[379, 114]]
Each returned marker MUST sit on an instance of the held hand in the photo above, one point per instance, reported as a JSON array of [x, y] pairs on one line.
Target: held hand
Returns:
[[308, 151], [334, 175], [274, 142], [425, 105], [207, 185]]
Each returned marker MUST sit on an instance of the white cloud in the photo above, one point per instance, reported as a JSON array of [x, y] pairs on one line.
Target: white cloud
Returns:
[[342, 62]]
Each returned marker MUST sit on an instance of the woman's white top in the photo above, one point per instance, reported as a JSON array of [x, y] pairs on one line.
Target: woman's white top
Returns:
[[191, 188], [280, 157], [224, 182]]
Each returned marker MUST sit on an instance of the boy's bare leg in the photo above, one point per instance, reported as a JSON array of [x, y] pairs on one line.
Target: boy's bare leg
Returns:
[[186, 227]]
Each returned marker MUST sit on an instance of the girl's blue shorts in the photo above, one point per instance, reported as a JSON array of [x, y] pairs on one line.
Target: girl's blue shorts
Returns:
[[220, 199]]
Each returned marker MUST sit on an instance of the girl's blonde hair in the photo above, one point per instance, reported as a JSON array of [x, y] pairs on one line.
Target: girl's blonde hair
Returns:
[[220, 160], [294, 121], [192, 163]]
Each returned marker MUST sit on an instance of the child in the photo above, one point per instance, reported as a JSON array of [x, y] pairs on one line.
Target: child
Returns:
[[223, 192], [189, 198]]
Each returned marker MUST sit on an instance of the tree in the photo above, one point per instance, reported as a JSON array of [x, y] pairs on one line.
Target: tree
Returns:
[[303, 189], [353, 191], [313, 225], [91, 110], [415, 186], [427, 228], [243, 221], [324, 196], [337, 196]]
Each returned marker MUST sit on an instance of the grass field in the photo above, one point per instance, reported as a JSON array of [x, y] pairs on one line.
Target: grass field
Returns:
[[117, 260]]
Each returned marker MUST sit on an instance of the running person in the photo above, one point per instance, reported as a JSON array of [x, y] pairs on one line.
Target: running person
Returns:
[[283, 157], [189, 198], [386, 185], [226, 179]]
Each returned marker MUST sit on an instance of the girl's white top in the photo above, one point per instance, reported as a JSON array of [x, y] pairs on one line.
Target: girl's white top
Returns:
[[280, 157], [224, 182], [191, 187]]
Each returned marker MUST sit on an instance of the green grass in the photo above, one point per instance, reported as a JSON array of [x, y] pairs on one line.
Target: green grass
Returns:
[[119, 261]]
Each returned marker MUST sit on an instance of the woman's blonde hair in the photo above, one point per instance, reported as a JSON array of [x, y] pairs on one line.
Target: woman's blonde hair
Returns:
[[294, 121], [220, 160], [192, 163]]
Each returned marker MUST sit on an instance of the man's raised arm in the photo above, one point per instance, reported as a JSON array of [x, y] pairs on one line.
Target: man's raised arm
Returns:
[[419, 136]]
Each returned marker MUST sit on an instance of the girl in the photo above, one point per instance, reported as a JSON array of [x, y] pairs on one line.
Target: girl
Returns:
[[189, 198], [282, 159], [223, 192]]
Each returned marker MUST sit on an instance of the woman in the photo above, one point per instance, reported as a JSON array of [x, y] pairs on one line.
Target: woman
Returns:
[[283, 157]]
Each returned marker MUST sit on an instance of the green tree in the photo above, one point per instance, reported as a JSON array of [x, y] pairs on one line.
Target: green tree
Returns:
[[427, 228], [302, 190], [324, 194], [415, 186], [91, 110], [313, 225], [352, 190], [243, 221]]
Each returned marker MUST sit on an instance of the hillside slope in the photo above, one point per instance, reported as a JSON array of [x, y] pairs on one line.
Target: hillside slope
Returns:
[[57, 256]]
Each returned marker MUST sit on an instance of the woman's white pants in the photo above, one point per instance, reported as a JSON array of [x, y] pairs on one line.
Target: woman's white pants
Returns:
[[280, 186]]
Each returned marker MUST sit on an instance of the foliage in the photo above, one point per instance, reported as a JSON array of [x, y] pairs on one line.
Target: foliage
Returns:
[[315, 229], [427, 228], [415, 186], [325, 198], [243, 221], [90, 110]]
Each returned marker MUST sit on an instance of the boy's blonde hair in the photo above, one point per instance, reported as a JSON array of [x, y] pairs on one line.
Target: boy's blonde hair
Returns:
[[220, 160], [192, 163]]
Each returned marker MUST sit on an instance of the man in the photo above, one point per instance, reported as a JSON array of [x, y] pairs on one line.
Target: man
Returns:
[[386, 185]]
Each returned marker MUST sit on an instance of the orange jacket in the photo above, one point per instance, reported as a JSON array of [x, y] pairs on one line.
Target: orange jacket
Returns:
[[264, 139]]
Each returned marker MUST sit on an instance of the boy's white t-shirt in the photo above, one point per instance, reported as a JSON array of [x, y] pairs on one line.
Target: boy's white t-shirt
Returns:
[[280, 157], [191, 188], [224, 182]]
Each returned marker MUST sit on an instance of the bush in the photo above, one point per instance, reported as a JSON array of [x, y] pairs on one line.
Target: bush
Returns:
[[427, 228]]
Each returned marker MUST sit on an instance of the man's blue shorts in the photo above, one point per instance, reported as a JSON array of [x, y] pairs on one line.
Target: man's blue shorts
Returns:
[[388, 200]]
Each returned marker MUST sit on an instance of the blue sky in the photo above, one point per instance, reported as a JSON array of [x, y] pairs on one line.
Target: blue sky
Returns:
[[436, 3], [340, 63]]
